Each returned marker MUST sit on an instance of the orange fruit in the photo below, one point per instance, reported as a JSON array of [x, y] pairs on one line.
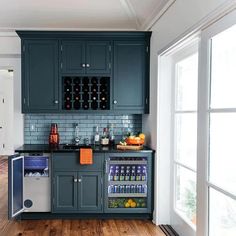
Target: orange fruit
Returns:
[[142, 136], [133, 204], [130, 201]]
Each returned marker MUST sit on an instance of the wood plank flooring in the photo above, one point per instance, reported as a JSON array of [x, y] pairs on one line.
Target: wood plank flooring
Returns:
[[68, 227]]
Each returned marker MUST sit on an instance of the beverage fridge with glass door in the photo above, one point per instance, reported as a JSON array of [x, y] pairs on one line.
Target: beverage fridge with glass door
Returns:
[[128, 183]]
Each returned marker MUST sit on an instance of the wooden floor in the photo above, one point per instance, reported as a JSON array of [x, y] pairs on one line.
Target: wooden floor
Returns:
[[68, 227]]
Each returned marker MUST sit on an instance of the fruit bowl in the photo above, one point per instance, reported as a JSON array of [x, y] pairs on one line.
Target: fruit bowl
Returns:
[[134, 141]]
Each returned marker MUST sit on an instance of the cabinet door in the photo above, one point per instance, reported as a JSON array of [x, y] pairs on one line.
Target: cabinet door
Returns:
[[89, 192], [40, 75], [65, 189], [98, 57], [129, 76], [73, 57]]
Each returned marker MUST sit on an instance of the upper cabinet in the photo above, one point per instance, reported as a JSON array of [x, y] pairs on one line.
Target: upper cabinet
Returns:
[[85, 72], [40, 75], [80, 57], [129, 75]]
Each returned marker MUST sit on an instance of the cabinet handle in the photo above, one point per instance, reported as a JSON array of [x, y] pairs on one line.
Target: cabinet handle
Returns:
[[87, 65], [115, 102], [56, 102], [75, 180], [80, 180], [106, 166], [83, 65]]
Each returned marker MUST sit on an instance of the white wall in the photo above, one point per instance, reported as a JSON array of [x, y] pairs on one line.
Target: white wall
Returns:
[[6, 89], [182, 16], [10, 59]]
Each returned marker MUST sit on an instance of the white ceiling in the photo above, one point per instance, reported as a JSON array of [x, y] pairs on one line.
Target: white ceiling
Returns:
[[81, 14]]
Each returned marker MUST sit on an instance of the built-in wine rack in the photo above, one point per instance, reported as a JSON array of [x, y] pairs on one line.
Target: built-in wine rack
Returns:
[[86, 93]]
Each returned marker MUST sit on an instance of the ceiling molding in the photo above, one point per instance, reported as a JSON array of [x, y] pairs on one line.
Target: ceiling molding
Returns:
[[156, 14], [11, 31], [129, 9]]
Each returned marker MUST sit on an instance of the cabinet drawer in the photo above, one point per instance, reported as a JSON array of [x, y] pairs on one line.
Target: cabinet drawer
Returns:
[[71, 161]]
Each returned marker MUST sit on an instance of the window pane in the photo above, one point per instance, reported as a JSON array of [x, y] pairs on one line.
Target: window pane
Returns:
[[223, 70], [222, 215], [186, 83], [185, 195], [186, 139], [223, 150]]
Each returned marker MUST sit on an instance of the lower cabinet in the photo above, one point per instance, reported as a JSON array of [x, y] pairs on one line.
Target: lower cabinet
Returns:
[[77, 191]]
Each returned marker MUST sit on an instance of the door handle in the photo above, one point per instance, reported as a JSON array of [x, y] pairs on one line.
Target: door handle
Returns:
[[87, 65], [115, 102], [75, 180], [80, 180], [56, 102], [83, 65], [0, 127]]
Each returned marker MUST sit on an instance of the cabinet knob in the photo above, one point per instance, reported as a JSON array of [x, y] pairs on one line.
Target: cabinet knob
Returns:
[[87, 65], [115, 102], [80, 180], [75, 180], [83, 65], [56, 102]]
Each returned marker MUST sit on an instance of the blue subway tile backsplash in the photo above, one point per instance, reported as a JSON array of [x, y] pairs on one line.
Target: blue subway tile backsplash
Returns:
[[87, 123]]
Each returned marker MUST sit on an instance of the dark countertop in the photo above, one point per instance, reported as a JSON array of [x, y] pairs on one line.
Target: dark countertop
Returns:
[[46, 148]]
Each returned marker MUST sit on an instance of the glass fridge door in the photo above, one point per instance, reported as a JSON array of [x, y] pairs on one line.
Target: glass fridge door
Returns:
[[127, 183]]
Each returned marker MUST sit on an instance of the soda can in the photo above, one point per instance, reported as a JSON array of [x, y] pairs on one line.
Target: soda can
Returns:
[[122, 188], [139, 188], [116, 189], [132, 188], [127, 187]]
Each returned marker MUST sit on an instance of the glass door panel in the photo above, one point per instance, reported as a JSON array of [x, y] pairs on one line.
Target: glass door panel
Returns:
[[223, 73], [186, 139], [127, 182], [222, 214], [186, 194], [222, 161]]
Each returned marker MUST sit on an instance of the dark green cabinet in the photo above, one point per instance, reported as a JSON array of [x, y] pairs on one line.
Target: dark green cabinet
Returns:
[[76, 187], [77, 191], [65, 189], [40, 75], [121, 57], [72, 57], [89, 191], [90, 57], [129, 76]]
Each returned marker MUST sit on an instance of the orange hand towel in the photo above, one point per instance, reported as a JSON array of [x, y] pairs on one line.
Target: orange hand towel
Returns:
[[86, 156]]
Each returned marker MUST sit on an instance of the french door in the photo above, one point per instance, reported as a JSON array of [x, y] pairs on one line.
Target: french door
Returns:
[[217, 130], [184, 139]]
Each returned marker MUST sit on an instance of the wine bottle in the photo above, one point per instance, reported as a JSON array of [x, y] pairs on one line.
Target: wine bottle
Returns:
[[76, 88], [94, 81], [67, 81], [94, 105], [68, 105], [76, 105], [76, 80], [85, 105]]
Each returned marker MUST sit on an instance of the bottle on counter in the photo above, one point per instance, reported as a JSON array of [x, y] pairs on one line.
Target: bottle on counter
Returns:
[[96, 137], [54, 135], [105, 137], [111, 136]]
